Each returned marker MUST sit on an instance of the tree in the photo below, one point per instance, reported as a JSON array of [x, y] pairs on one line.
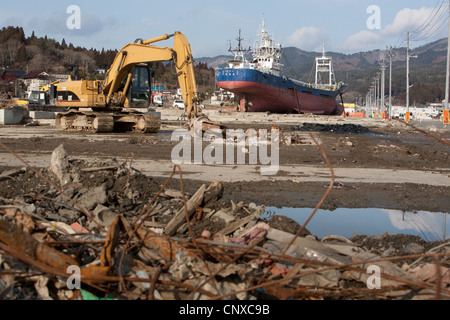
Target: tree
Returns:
[[71, 59], [12, 33], [21, 57]]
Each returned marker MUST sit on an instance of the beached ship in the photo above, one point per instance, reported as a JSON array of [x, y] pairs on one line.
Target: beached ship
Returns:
[[262, 87]]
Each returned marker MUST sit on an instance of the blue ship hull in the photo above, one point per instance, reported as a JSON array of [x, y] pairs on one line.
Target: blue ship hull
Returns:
[[263, 92]]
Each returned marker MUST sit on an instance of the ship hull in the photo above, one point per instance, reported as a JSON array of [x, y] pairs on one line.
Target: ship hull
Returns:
[[262, 92]]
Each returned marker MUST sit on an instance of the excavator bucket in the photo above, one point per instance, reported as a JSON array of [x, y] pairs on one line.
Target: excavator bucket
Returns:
[[200, 124]]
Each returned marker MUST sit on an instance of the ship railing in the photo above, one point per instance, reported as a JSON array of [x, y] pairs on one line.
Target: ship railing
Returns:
[[319, 86]]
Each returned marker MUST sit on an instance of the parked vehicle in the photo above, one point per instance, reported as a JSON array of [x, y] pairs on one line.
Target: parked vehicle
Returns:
[[178, 104]]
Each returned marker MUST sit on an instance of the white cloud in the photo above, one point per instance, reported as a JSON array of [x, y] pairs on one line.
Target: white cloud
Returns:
[[362, 41], [408, 20], [405, 20], [307, 38]]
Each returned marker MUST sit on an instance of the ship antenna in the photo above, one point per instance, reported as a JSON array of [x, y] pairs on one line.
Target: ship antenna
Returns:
[[239, 39]]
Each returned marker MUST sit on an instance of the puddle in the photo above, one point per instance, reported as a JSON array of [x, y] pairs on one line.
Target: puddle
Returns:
[[393, 138], [430, 226]]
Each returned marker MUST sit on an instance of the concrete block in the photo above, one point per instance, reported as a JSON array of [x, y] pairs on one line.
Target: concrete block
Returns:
[[42, 115], [13, 115]]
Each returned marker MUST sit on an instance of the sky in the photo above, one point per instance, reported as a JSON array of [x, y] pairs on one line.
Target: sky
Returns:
[[345, 26]]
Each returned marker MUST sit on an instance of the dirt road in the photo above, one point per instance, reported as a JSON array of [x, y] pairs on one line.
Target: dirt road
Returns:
[[391, 166]]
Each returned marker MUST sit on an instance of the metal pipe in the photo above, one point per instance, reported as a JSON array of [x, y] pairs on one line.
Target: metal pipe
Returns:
[[161, 38]]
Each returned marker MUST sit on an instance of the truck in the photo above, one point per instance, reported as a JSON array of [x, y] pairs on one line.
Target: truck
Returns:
[[122, 101], [158, 99]]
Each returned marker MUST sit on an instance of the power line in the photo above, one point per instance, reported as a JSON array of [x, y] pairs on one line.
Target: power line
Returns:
[[419, 31], [400, 41], [432, 31], [431, 15], [429, 29]]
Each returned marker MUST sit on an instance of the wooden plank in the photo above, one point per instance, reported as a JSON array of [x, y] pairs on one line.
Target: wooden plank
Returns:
[[180, 217], [240, 223]]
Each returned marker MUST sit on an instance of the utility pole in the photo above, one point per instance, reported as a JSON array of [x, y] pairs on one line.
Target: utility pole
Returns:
[[367, 103], [407, 71], [448, 63], [383, 81], [379, 93], [390, 82], [375, 95], [408, 57]]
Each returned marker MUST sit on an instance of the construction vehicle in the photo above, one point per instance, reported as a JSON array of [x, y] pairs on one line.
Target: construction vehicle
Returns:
[[114, 102], [42, 96], [158, 99]]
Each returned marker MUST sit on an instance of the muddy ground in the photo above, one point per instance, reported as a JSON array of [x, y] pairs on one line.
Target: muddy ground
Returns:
[[395, 147], [392, 147]]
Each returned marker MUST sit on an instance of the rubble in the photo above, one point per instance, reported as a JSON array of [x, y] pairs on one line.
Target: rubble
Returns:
[[348, 128], [133, 239]]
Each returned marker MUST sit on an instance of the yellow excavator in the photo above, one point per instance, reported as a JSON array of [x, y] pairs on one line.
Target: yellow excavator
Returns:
[[113, 104]]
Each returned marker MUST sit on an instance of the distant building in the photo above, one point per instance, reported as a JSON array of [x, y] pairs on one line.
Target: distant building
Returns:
[[221, 95], [35, 80], [418, 112], [59, 76], [349, 107]]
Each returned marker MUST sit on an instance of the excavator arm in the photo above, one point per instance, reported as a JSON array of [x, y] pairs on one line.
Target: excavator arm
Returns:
[[184, 64], [144, 52], [124, 62]]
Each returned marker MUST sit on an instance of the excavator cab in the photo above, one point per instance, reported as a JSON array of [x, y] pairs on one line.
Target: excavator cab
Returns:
[[38, 98], [141, 93]]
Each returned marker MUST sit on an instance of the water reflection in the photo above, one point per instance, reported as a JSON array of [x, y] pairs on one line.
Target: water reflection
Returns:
[[431, 226]]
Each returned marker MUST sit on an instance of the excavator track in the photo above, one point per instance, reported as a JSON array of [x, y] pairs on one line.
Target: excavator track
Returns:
[[147, 123], [99, 122]]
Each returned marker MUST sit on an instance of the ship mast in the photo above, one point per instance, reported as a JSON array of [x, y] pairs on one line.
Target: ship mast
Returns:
[[324, 65], [239, 52], [267, 55]]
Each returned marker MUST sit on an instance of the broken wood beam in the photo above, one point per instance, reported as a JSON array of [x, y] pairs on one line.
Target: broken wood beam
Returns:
[[180, 216]]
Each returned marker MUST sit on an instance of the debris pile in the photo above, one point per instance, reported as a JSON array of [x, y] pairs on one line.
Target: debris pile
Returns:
[[347, 128], [80, 231]]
